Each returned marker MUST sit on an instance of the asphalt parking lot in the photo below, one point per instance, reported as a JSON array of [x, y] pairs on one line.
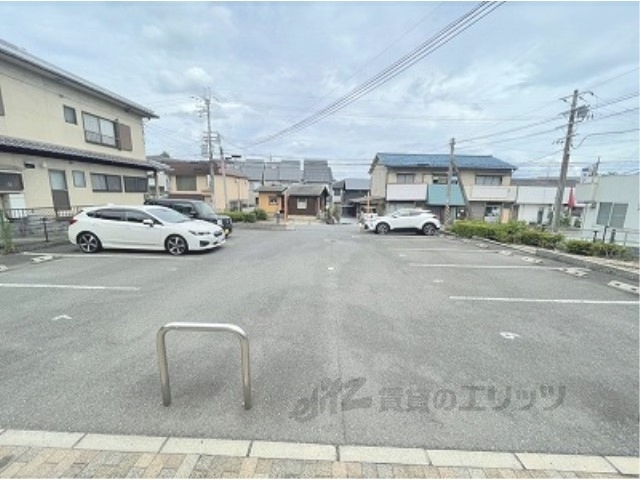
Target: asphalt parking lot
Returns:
[[399, 340]]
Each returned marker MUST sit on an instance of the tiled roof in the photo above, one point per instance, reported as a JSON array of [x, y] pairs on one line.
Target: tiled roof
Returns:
[[198, 167], [441, 161], [21, 57], [271, 189], [357, 184], [317, 171], [18, 145], [284, 171], [298, 190]]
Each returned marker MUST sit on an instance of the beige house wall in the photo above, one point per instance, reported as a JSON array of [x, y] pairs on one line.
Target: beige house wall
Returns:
[[33, 106], [37, 189], [235, 189], [263, 202], [379, 181]]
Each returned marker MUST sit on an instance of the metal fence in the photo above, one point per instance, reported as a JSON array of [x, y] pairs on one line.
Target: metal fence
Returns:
[[38, 223]]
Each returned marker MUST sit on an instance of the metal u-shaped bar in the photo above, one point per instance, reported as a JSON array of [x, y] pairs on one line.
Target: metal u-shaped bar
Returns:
[[163, 366]]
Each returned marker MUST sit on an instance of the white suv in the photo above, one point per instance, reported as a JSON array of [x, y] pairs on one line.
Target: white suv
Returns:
[[143, 228], [408, 219]]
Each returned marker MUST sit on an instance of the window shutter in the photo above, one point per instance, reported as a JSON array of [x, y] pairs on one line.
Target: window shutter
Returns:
[[124, 137]]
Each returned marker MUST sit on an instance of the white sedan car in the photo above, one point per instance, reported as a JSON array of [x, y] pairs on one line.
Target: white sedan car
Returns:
[[146, 227], [408, 219]]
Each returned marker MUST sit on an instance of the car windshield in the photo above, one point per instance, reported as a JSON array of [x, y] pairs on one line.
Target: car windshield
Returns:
[[168, 215], [204, 209]]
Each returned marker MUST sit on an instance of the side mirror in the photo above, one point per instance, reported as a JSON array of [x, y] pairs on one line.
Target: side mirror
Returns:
[[148, 222]]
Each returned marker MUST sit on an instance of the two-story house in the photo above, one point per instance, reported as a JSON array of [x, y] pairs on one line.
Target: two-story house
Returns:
[[420, 180], [65, 142], [192, 179], [350, 194]]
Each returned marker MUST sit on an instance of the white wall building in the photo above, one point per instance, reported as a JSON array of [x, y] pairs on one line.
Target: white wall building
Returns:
[[612, 203]]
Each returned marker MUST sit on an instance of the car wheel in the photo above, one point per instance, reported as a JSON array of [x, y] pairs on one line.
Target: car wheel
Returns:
[[429, 229], [176, 245], [88, 242], [382, 228]]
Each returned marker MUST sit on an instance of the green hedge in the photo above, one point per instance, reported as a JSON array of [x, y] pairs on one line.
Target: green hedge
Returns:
[[519, 232], [261, 214], [246, 217], [510, 232], [598, 249]]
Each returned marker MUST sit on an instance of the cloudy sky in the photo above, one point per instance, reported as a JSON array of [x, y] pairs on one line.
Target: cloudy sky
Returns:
[[496, 87]]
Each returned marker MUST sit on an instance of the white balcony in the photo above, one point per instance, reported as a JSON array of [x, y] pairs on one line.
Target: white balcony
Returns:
[[410, 192], [485, 193]]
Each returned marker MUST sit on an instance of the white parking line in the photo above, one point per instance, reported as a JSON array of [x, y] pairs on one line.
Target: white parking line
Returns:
[[457, 250], [625, 287], [67, 287], [543, 300], [455, 265], [112, 255]]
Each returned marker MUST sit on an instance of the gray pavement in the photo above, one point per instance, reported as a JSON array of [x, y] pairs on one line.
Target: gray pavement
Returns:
[[410, 327]]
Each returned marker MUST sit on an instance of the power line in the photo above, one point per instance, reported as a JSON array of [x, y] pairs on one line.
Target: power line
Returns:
[[440, 39], [369, 62], [606, 133]]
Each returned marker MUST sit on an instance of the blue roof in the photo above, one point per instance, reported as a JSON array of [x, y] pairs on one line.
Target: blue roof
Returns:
[[441, 161]]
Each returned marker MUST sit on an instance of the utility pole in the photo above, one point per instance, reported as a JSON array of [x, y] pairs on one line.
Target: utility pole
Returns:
[[557, 208], [447, 207], [207, 106], [467, 205]]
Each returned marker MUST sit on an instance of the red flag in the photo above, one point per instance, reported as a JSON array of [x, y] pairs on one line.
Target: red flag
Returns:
[[572, 199]]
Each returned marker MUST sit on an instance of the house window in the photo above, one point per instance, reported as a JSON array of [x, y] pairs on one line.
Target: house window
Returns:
[[186, 183], [135, 184], [106, 183], [99, 130], [79, 179], [439, 179], [618, 215], [406, 178], [70, 115], [11, 182], [492, 209], [302, 204], [273, 200], [612, 214], [492, 180]]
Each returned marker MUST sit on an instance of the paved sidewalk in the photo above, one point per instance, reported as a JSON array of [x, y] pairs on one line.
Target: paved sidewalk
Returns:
[[32, 454]]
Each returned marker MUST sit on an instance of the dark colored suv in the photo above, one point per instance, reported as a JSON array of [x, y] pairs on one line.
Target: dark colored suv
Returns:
[[195, 209]]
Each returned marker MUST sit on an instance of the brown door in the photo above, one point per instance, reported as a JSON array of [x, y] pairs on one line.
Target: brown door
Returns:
[[59, 191]]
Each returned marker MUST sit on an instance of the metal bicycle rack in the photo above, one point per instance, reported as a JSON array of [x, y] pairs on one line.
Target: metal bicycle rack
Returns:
[[203, 327]]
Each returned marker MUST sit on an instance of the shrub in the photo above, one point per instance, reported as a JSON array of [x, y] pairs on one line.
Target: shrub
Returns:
[[6, 235], [580, 247], [250, 217], [235, 216], [511, 232], [261, 214], [610, 250]]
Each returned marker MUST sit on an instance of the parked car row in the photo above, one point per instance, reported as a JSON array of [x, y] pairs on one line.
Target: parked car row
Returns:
[[174, 226]]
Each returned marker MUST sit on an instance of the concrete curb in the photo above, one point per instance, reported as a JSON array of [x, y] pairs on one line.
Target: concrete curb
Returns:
[[563, 257], [623, 465]]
